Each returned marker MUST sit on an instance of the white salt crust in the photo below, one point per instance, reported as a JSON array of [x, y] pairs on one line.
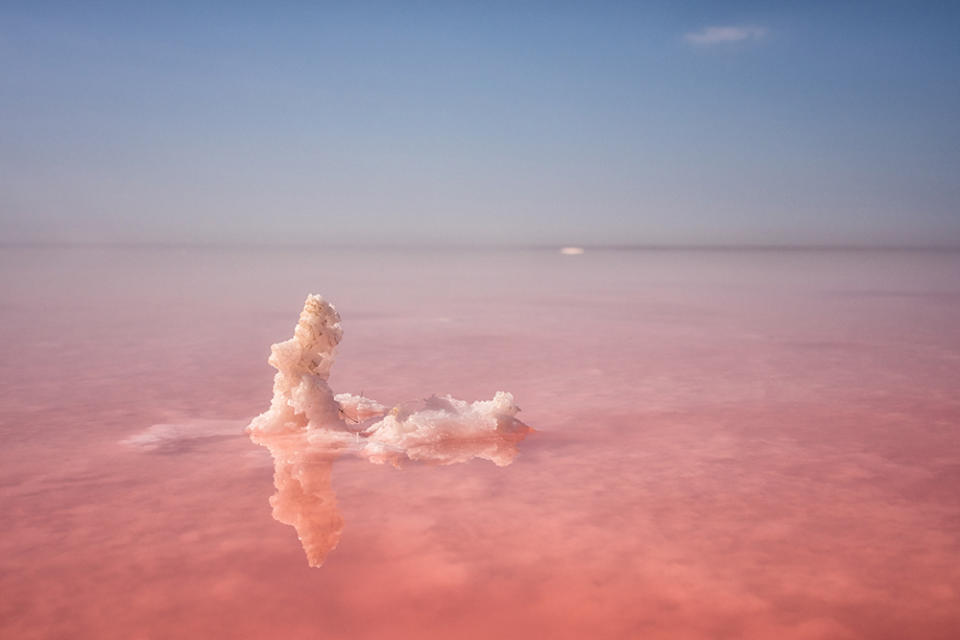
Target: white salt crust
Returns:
[[307, 427]]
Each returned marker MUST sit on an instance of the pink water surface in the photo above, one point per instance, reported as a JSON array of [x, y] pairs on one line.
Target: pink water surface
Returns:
[[730, 444]]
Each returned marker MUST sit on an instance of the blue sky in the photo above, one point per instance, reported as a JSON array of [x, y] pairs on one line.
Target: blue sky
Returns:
[[502, 122]]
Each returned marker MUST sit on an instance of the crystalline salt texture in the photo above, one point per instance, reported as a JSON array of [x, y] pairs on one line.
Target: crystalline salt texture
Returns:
[[447, 431], [307, 427], [358, 408], [301, 397]]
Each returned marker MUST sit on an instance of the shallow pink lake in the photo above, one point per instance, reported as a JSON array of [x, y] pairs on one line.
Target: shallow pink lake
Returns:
[[729, 444]]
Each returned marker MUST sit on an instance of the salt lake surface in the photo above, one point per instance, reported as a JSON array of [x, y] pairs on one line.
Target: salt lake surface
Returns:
[[729, 444]]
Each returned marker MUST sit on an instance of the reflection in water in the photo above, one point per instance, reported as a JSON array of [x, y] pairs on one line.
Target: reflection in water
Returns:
[[307, 428], [304, 497]]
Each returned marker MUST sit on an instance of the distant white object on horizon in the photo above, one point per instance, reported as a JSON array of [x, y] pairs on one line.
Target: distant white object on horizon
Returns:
[[572, 251]]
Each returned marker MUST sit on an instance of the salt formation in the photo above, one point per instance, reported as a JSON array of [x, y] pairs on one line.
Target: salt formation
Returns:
[[307, 427]]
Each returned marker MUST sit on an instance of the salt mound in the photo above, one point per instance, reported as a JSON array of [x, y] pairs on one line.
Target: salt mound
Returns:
[[307, 427]]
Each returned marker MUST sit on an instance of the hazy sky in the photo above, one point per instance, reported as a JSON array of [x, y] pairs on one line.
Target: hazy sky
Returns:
[[413, 122]]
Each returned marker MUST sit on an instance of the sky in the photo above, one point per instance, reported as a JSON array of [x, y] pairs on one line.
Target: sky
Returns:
[[592, 123]]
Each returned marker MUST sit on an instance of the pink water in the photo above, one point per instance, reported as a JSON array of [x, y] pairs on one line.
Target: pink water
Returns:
[[730, 445]]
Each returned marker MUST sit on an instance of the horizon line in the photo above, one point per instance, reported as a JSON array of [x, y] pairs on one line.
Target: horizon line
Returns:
[[666, 246]]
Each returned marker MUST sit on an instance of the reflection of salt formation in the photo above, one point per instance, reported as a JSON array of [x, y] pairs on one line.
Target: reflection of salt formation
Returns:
[[304, 497], [307, 427]]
